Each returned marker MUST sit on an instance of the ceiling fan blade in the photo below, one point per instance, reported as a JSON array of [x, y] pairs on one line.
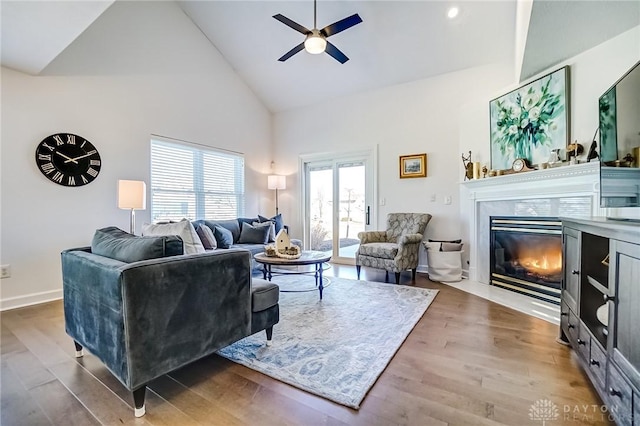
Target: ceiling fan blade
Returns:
[[288, 22], [292, 52], [336, 53], [341, 25]]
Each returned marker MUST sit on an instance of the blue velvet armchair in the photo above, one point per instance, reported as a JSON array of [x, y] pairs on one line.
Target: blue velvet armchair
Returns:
[[146, 318]]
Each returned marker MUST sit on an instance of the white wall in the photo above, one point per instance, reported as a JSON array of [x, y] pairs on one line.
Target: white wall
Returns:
[[141, 69], [417, 117], [591, 74]]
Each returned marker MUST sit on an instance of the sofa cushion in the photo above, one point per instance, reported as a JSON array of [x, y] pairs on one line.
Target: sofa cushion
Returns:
[[115, 243], [184, 229], [264, 294], [207, 238], [381, 250], [272, 229], [277, 221], [254, 234], [224, 237], [231, 225]]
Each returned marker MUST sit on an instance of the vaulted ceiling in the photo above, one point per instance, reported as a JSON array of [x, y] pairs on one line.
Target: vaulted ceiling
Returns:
[[397, 42]]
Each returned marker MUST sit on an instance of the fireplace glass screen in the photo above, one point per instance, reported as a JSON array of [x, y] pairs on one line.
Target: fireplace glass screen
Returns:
[[526, 255]]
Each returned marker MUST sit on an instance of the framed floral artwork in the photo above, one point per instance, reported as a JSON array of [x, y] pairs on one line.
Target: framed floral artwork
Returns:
[[531, 121], [413, 166]]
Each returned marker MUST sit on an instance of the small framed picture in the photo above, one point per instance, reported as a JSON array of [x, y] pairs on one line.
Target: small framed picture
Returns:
[[413, 166]]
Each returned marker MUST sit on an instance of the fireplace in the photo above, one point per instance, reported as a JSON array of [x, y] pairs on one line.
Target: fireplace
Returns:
[[526, 255]]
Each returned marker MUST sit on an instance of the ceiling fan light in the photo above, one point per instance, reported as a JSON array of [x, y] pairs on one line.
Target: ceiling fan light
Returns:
[[315, 44]]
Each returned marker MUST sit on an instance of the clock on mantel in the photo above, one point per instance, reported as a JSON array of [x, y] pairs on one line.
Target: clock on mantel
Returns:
[[519, 165]]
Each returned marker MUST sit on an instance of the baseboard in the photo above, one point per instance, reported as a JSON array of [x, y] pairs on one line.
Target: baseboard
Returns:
[[30, 299]]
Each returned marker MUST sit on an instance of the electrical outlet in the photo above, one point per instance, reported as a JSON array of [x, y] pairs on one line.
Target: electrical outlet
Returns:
[[5, 271], [383, 201], [447, 199], [433, 198]]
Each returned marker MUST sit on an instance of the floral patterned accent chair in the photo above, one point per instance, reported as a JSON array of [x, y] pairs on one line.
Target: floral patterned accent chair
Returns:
[[396, 249]]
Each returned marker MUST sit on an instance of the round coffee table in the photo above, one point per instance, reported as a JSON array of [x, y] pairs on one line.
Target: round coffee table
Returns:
[[308, 257]]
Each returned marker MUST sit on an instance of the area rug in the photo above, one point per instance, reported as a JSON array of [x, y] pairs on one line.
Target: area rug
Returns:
[[336, 347]]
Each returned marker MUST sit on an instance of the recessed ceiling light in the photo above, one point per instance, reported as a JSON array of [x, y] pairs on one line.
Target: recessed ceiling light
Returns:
[[453, 12]]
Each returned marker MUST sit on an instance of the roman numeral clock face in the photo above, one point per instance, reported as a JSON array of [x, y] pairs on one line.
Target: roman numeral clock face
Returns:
[[68, 160]]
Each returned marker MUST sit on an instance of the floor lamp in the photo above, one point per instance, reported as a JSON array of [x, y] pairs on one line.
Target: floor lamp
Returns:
[[132, 195], [276, 182]]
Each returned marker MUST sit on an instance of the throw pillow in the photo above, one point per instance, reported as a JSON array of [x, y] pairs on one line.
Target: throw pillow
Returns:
[[224, 237], [117, 244], [253, 235], [184, 229], [450, 247], [446, 241], [206, 237], [277, 221], [431, 246], [272, 229]]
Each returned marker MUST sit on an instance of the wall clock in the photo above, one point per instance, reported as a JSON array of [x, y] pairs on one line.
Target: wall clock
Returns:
[[68, 159]]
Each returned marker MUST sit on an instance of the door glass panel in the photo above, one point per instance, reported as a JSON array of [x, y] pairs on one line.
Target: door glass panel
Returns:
[[351, 214], [321, 209]]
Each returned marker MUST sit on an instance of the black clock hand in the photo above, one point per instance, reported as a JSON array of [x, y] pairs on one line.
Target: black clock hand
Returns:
[[69, 159]]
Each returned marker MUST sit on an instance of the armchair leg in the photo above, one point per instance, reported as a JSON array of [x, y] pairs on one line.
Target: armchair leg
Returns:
[[138, 401], [386, 276], [269, 335], [79, 351], [358, 271], [397, 277], [413, 275]]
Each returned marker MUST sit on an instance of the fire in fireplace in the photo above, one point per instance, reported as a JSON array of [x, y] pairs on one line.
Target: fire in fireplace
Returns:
[[526, 255]]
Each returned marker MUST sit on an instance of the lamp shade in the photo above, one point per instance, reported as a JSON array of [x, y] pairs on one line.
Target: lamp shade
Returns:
[[276, 182], [132, 194], [315, 43]]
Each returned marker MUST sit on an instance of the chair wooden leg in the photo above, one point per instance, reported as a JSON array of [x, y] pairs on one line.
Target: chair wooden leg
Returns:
[[269, 335], [79, 351], [413, 275], [397, 277], [358, 271], [138, 401]]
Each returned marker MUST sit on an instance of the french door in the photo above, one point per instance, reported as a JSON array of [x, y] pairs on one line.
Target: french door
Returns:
[[338, 202]]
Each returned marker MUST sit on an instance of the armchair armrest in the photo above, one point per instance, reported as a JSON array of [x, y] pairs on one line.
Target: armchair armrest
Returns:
[[408, 243], [372, 237]]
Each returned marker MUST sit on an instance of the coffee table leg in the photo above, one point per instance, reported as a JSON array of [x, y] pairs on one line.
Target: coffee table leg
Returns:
[[269, 273], [319, 271], [264, 271]]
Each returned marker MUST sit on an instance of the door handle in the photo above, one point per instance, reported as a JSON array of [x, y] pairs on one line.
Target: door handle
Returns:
[[368, 217]]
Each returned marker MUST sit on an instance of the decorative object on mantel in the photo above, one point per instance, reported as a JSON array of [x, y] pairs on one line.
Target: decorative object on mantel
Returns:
[[484, 171], [476, 170], [592, 149], [518, 165], [468, 166], [530, 121], [413, 166], [573, 150]]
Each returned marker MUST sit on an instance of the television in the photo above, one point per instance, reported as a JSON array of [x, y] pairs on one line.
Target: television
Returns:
[[619, 127]]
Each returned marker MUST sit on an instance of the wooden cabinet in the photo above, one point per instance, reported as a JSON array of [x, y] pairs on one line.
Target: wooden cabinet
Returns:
[[600, 309]]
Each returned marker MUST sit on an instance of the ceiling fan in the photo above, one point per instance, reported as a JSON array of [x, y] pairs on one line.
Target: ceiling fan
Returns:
[[316, 40]]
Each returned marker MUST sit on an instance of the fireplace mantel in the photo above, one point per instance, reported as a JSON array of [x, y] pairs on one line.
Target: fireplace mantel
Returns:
[[500, 195], [528, 184]]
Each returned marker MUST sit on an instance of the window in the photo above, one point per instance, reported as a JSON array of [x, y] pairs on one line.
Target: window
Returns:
[[195, 182]]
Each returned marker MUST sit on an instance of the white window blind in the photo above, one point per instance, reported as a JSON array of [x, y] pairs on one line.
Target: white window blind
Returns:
[[195, 182]]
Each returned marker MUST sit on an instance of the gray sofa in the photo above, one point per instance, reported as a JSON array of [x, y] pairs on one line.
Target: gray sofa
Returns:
[[146, 318], [235, 227]]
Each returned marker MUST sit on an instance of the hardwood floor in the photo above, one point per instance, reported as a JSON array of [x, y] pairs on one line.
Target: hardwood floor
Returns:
[[468, 361]]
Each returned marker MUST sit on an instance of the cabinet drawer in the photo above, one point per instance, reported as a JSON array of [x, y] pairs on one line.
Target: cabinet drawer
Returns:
[[573, 328], [564, 317], [619, 396], [583, 342], [598, 363]]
